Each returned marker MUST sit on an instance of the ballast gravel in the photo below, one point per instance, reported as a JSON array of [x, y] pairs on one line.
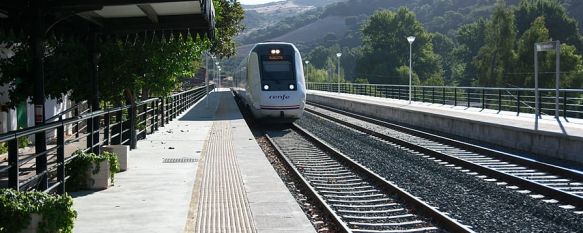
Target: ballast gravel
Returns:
[[484, 206]]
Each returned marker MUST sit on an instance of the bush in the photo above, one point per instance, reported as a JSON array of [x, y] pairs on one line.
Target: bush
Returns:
[[3, 148], [78, 167], [16, 209], [23, 142]]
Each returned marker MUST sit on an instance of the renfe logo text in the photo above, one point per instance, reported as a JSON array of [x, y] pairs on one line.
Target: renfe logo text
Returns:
[[279, 97]]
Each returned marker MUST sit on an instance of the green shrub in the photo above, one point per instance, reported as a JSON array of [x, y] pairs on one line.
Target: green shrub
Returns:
[[3, 148], [23, 142], [16, 209], [78, 167]]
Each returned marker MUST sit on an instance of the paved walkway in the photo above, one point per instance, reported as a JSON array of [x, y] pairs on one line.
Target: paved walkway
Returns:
[[229, 187]]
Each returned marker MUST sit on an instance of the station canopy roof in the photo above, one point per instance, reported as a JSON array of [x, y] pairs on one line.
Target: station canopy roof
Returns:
[[110, 17]]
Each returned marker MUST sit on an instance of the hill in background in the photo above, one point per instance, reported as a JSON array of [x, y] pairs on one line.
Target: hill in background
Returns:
[[266, 15], [311, 23]]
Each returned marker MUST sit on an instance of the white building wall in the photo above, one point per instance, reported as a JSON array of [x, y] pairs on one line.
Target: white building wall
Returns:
[[9, 121]]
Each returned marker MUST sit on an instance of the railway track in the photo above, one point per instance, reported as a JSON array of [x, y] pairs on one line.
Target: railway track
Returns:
[[548, 182], [357, 199]]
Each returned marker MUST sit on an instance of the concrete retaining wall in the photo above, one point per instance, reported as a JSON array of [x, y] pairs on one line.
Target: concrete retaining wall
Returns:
[[548, 144]]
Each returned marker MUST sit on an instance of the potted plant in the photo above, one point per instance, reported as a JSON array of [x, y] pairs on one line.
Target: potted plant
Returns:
[[122, 152], [35, 212], [91, 171]]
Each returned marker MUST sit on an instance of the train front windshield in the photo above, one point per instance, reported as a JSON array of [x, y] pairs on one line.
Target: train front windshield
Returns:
[[277, 68]]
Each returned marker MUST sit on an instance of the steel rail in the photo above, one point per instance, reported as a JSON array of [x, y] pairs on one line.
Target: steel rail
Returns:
[[467, 146], [306, 185], [442, 220], [518, 181]]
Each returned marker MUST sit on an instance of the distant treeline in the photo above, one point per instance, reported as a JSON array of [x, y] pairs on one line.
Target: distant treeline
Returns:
[[466, 43]]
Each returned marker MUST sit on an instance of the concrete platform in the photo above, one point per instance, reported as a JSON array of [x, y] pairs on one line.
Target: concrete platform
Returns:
[[215, 144], [555, 138]]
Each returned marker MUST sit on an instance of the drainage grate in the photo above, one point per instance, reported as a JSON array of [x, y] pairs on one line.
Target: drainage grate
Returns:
[[179, 160]]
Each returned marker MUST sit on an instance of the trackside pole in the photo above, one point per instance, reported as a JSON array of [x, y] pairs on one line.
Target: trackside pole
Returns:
[[536, 113]]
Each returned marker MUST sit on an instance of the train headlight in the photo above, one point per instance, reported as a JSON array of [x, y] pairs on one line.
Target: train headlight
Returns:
[[266, 87], [291, 86], [273, 51]]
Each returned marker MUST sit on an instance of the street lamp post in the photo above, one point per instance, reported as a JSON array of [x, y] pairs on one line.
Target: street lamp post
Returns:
[[206, 76], [212, 61], [410, 39], [219, 76], [307, 68], [216, 73], [338, 55]]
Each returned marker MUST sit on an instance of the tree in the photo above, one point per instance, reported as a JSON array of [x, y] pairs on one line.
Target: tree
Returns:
[[315, 75], [561, 26], [497, 55], [537, 32], [470, 38], [443, 47], [571, 61], [151, 66], [228, 16], [385, 47], [66, 66]]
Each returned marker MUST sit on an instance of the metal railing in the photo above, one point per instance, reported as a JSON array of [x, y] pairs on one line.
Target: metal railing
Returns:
[[45, 170], [519, 100], [79, 109]]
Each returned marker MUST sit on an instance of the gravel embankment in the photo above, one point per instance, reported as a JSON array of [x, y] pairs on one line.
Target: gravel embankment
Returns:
[[483, 205]]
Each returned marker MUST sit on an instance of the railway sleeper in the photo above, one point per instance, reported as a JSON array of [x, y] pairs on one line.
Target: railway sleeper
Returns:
[[329, 174], [344, 184], [333, 178], [360, 201], [374, 218], [424, 229], [343, 188], [370, 211], [354, 196], [365, 206], [350, 192]]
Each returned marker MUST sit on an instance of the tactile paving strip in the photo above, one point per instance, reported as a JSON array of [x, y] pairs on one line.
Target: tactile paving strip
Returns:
[[179, 160], [222, 201]]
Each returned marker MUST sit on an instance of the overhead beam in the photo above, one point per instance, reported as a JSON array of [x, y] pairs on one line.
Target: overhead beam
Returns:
[[93, 17], [140, 24], [3, 14], [150, 12], [102, 3], [128, 2]]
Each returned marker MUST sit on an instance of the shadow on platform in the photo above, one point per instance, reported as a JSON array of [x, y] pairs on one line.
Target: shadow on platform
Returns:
[[83, 193], [204, 111]]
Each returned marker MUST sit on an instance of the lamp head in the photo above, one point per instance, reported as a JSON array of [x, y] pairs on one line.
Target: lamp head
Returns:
[[307, 62], [411, 39], [339, 54]]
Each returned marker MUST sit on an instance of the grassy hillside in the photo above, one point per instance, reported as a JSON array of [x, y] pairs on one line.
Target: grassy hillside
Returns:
[[436, 15], [267, 15]]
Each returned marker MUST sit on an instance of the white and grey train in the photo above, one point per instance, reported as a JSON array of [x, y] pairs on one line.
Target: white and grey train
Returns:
[[270, 82]]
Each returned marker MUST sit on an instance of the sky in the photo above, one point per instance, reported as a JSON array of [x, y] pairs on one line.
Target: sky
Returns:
[[255, 2]]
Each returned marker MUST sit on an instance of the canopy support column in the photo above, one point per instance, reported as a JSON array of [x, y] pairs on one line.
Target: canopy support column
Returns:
[[93, 123], [37, 33]]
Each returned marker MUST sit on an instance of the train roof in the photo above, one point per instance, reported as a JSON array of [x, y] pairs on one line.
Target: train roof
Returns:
[[268, 43]]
